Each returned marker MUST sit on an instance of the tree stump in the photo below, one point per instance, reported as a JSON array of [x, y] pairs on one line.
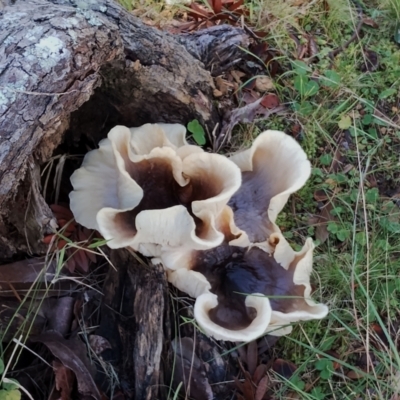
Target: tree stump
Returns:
[[73, 69]]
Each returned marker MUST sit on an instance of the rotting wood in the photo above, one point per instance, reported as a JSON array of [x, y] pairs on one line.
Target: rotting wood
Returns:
[[136, 324], [220, 47]]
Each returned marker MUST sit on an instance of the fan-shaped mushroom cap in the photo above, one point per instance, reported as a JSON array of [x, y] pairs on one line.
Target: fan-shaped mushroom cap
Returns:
[[149, 136], [272, 168], [303, 308], [207, 302], [103, 181], [246, 292], [146, 186], [174, 258]]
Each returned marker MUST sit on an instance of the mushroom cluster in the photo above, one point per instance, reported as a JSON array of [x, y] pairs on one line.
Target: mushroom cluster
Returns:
[[209, 219]]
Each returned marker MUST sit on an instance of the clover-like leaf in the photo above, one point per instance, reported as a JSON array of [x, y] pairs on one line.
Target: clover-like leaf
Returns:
[[325, 367], [331, 79], [345, 122], [10, 394]]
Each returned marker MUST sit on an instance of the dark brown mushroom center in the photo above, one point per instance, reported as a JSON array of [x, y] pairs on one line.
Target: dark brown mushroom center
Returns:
[[161, 191], [251, 202], [234, 272]]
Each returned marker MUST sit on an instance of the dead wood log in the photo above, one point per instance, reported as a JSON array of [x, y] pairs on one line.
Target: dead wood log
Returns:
[[219, 48], [76, 68], [134, 319]]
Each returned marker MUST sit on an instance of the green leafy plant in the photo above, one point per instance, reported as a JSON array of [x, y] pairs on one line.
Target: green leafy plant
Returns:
[[325, 368], [126, 4], [318, 393], [345, 110], [9, 388], [297, 383], [197, 132], [331, 79], [305, 86]]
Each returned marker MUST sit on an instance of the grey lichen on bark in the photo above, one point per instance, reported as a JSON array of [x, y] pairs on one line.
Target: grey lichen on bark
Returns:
[[49, 62]]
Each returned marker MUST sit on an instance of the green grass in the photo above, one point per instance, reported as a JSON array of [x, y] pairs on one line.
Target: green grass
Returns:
[[358, 267]]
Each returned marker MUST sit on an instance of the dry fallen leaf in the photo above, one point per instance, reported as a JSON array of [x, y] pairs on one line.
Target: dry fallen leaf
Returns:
[[284, 368], [355, 374], [17, 278], [64, 378], [25, 273], [321, 195], [72, 354], [259, 373], [270, 101], [58, 312], [76, 258], [312, 46], [237, 75], [262, 388], [252, 356], [371, 61], [19, 319], [245, 114], [325, 216], [246, 387], [222, 85], [337, 161], [370, 22], [99, 344], [250, 96], [293, 396], [334, 354], [189, 366]]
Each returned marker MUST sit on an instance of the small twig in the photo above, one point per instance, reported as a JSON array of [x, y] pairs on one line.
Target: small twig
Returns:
[[38, 93], [243, 26]]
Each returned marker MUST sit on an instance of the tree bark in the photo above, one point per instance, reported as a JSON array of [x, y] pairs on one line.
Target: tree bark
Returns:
[[134, 319], [219, 48], [76, 68]]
